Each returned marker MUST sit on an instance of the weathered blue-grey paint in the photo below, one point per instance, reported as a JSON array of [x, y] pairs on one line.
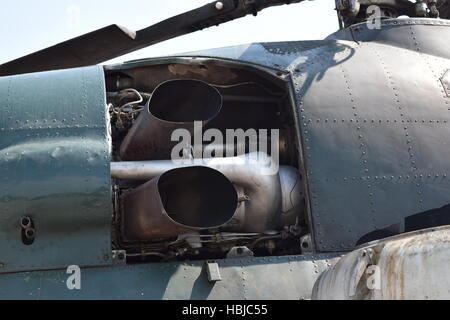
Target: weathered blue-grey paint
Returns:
[[373, 117], [248, 278], [54, 167]]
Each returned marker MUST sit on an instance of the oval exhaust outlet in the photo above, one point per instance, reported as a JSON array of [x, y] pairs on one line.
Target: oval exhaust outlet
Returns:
[[179, 201], [175, 104]]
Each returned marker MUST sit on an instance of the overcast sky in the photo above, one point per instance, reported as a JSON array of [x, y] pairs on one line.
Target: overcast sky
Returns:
[[28, 26]]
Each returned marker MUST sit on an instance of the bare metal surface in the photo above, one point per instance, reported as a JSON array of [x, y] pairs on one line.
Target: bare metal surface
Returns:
[[179, 201], [213, 271], [264, 191], [175, 104], [411, 266], [239, 252]]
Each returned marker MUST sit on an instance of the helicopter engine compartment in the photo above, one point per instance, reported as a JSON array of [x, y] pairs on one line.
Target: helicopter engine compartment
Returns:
[[205, 163]]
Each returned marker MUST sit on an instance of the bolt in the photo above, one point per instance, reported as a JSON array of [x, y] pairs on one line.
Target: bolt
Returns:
[[219, 5]]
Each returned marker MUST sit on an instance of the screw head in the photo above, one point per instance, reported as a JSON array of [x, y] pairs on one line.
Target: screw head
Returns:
[[219, 5]]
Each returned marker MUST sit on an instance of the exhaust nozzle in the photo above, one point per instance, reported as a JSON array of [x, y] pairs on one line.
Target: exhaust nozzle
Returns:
[[274, 200], [175, 104], [179, 201]]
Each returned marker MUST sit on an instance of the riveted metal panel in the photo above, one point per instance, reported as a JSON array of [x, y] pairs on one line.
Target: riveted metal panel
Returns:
[[54, 168], [287, 277], [293, 47], [373, 144]]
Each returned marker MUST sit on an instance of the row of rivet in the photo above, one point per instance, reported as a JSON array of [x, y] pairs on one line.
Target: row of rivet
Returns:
[[306, 121], [387, 177], [77, 126], [315, 201], [409, 141], [362, 144], [297, 78]]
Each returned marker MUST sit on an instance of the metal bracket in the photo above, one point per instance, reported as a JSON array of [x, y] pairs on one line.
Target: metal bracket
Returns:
[[119, 257], [348, 8], [445, 80], [306, 244], [364, 260], [239, 252], [213, 272]]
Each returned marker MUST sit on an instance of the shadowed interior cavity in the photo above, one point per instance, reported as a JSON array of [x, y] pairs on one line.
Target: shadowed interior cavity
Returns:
[[185, 101], [198, 197]]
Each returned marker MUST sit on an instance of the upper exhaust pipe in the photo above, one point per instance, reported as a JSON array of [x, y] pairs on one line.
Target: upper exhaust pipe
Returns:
[[175, 104]]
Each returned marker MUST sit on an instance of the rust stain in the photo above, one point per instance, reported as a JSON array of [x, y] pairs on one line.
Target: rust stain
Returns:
[[216, 74], [391, 271]]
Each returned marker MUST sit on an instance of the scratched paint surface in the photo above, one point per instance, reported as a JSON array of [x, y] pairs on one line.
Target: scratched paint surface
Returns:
[[54, 167], [287, 277]]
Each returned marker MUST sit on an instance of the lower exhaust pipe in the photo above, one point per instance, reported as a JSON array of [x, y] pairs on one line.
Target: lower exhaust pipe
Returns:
[[268, 200], [181, 200]]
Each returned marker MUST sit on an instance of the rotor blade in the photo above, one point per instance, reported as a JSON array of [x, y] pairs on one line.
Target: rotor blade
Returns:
[[113, 41], [85, 50]]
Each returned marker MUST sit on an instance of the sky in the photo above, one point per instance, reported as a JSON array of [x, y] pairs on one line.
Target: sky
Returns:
[[28, 26]]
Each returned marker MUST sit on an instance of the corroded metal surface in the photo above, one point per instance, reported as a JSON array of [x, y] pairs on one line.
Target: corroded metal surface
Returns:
[[269, 200], [240, 280], [54, 168], [411, 266], [181, 200]]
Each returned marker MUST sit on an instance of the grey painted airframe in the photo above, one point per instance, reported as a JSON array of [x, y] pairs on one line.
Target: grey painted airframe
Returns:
[[92, 207]]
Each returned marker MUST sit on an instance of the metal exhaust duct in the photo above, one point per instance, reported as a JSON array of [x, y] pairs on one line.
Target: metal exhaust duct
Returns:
[[175, 104], [179, 201], [273, 199]]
